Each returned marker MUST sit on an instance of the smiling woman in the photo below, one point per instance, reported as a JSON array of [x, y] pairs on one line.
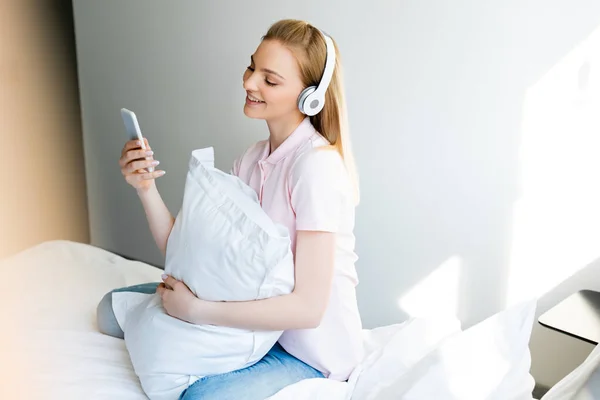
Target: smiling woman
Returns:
[[304, 179]]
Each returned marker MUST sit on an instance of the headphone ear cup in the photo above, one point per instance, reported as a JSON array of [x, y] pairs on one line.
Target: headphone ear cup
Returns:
[[303, 105]]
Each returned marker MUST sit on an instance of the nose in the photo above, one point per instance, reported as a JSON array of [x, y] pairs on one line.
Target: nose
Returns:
[[250, 82]]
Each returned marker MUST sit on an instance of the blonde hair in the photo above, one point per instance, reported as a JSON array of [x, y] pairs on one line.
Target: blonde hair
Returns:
[[308, 46]]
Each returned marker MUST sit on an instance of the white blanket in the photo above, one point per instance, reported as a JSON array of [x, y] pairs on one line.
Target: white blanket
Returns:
[[59, 353]]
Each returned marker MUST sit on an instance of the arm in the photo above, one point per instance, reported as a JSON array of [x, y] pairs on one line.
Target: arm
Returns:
[[317, 198], [302, 309], [159, 218]]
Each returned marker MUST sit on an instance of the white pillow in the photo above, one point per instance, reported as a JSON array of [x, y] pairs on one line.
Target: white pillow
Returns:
[[393, 350], [489, 361], [225, 248]]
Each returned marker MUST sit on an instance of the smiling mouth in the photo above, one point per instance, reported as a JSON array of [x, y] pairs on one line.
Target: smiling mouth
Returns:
[[253, 99]]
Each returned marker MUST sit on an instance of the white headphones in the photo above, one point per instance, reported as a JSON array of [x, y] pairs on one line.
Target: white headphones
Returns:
[[312, 99]]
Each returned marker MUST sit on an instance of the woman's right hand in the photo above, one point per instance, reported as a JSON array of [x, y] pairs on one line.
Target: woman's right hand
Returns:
[[134, 165]]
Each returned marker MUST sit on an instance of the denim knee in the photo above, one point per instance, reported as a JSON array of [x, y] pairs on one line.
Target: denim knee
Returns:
[[105, 317]]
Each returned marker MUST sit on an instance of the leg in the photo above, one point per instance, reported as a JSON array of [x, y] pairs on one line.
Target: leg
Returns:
[[275, 371], [107, 323]]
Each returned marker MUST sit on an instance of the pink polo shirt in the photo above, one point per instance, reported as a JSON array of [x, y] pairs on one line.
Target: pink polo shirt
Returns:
[[306, 188]]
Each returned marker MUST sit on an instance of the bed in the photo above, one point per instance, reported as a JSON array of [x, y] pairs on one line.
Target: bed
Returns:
[[52, 348]]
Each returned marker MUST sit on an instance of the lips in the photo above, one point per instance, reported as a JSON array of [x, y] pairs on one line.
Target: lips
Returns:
[[253, 99]]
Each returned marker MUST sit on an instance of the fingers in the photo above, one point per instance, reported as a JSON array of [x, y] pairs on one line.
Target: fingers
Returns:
[[140, 176], [140, 154], [132, 145], [170, 281], [152, 175], [160, 289], [140, 164], [136, 164]]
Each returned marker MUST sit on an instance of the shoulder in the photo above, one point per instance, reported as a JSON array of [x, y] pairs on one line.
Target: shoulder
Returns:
[[319, 169], [316, 155], [319, 161], [318, 188]]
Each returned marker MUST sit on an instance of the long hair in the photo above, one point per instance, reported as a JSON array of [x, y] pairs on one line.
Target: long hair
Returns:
[[308, 46]]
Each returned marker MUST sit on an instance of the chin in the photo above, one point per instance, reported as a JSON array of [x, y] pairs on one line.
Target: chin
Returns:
[[254, 114]]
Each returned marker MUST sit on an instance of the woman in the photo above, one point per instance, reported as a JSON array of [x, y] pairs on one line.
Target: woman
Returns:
[[304, 177]]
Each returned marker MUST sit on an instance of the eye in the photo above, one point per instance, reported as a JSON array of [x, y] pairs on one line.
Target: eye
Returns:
[[251, 68]]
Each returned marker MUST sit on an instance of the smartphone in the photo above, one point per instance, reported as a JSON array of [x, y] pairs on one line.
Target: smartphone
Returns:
[[132, 127]]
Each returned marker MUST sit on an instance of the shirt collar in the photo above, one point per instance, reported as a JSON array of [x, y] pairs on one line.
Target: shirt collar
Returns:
[[296, 138]]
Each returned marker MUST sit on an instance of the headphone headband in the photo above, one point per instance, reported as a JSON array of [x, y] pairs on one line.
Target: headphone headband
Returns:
[[329, 65], [312, 99]]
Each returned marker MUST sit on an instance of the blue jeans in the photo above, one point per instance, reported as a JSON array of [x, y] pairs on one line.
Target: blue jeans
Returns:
[[276, 370]]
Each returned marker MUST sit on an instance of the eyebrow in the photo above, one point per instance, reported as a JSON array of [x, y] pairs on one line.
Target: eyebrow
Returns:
[[270, 71]]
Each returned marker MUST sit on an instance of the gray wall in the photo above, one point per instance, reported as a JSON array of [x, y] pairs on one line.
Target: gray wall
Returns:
[[443, 98]]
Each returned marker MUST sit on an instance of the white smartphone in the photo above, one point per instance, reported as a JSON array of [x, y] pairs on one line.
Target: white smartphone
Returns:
[[133, 130]]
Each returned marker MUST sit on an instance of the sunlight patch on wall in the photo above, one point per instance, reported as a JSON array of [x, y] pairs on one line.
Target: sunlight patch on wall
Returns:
[[437, 294], [556, 220]]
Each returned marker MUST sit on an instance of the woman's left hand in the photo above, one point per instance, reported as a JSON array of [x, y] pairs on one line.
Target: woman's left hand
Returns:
[[177, 299]]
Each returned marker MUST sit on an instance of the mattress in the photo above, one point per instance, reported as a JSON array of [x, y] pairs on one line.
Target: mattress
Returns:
[[51, 347]]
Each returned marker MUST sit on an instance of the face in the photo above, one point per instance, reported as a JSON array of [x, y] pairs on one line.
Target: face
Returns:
[[272, 83]]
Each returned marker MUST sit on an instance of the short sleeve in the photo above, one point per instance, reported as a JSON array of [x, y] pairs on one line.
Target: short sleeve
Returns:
[[316, 182]]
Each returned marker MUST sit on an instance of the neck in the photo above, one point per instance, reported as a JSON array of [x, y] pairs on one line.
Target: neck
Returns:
[[281, 129]]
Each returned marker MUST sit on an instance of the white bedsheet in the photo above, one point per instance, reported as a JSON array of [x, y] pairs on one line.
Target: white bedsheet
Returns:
[[56, 352]]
